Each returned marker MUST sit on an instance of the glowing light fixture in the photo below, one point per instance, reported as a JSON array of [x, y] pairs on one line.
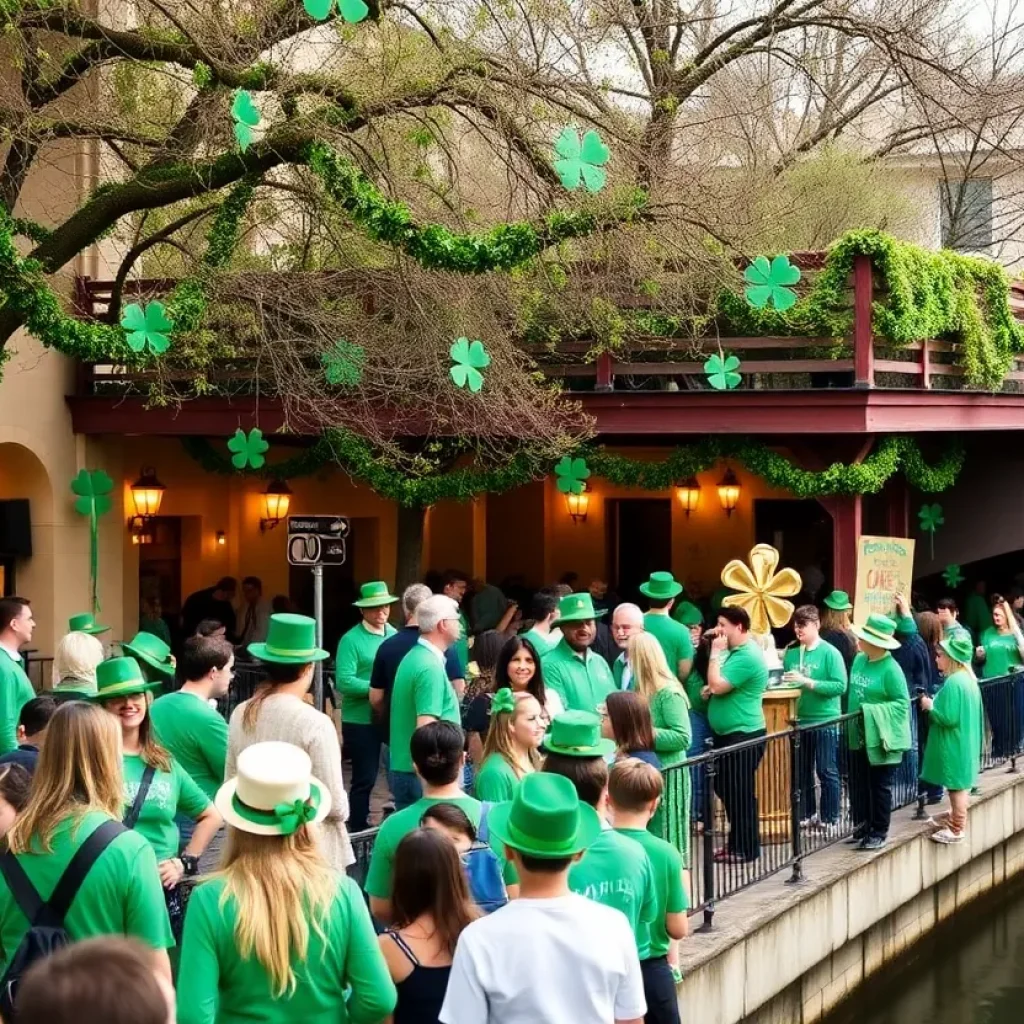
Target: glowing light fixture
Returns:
[[276, 500]]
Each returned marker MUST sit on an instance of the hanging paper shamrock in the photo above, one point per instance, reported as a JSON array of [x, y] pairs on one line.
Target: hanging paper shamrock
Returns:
[[952, 577], [930, 517], [470, 357], [246, 116], [767, 282], [248, 448], [721, 372], [570, 475], [343, 364], [93, 500], [350, 10], [581, 161], [147, 327], [760, 590]]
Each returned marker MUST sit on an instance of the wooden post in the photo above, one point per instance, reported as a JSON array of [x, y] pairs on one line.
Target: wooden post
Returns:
[[846, 512], [898, 511], [605, 372], [863, 340]]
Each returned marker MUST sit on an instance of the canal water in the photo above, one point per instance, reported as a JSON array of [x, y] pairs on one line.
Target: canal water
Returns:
[[970, 972]]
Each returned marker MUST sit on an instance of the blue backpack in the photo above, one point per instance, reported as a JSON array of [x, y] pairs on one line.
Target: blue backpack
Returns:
[[483, 869]]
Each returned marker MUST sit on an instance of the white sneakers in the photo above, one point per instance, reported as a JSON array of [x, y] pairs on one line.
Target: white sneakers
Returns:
[[947, 836]]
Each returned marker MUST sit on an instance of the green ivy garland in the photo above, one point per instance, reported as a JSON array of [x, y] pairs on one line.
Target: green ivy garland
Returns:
[[354, 455]]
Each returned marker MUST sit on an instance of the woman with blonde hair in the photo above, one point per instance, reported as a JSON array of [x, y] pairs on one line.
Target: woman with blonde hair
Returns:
[[74, 666], [77, 801], [278, 935], [278, 711], [837, 625], [510, 750]]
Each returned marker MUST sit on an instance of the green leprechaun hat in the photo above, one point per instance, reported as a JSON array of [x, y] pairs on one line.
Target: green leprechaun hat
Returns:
[[577, 734], [374, 595], [661, 586], [151, 651], [120, 677], [85, 622], [577, 608], [291, 640]]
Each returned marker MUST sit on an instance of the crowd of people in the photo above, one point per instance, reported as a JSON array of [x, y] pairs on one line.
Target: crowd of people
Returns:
[[534, 772]]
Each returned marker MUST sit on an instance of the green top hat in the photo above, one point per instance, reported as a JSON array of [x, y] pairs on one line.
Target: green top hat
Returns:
[[878, 630], [688, 614], [152, 651], [577, 734], [545, 818], [959, 648], [85, 622], [839, 601], [373, 595], [291, 640], [119, 677], [661, 586], [577, 608]]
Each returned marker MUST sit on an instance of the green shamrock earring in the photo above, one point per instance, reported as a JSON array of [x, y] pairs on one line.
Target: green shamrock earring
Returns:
[[581, 161], [469, 357], [248, 449], [768, 282], [571, 475], [930, 518], [246, 116], [721, 372], [352, 11], [952, 577], [147, 327]]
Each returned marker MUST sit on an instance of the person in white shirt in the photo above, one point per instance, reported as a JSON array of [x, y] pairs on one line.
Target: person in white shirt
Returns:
[[551, 956], [627, 620]]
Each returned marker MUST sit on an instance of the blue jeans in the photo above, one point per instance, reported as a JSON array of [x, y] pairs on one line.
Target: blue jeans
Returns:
[[700, 732], [405, 788], [819, 755], [362, 744]]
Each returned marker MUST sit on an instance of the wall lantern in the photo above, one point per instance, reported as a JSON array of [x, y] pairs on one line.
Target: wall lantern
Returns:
[[147, 495], [729, 492], [222, 538], [577, 504], [688, 493], [276, 499]]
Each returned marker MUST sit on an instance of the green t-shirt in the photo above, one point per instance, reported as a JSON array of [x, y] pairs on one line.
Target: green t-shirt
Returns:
[[462, 645], [669, 894], [121, 895], [544, 642], [824, 665], [674, 639], [582, 682], [956, 732], [1001, 653], [396, 826], [196, 736], [169, 794], [740, 709], [421, 688], [352, 667], [694, 687], [496, 781], [873, 682], [15, 692], [617, 872], [216, 986]]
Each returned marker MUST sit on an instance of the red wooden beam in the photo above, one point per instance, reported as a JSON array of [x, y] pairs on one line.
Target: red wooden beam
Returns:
[[846, 512]]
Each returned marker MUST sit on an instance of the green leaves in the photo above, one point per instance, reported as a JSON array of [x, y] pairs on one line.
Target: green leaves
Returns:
[[581, 162], [147, 327], [767, 283], [343, 364], [248, 449], [352, 11], [246, 116], [952, 576], [930, 519], [571, 474], [721, 372], [469, 357], [93, 489]]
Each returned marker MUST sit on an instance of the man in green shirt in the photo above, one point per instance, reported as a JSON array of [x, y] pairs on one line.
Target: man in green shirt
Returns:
[[661, 591], [737, 679], [819, 670], [454, 584], [544, 610], [627, 621], [577, 674], [16, 627], [949, 619], [422, 692], [353, 666]]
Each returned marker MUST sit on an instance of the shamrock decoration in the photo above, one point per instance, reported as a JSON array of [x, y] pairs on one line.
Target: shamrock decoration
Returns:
[[760, 590], [248, 448], [721, 371], [147, 327], [92, 490], [581, 161], [470, 357], [291, 817], [246, 115], [350, 10], [930, 518], [952, 577], [343, 364], [767, 282], [570, 475]]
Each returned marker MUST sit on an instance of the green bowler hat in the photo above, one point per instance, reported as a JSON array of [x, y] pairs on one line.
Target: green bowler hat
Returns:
[[120, 677], [545, 818], [577, 608], [839, 601], [291, 640], [879, 630], [959, 648], [578, 734], [661, 586], [687, 614], [373, 595], [85, 622], [152, 651]]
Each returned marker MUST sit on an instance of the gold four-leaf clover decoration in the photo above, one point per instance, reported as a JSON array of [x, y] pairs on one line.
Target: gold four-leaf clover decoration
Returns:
[[761, 590]]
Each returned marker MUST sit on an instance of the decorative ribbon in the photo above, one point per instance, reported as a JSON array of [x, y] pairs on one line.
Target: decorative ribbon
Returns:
[[503, 700], [92, 489], [294, 815]]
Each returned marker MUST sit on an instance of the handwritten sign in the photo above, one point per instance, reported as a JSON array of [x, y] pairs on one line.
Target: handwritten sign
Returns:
[[885, 568]]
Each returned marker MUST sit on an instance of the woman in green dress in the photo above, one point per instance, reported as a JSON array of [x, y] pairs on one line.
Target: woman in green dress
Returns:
[[952, 756], [278, 935], [510, 750], [1001, 653]]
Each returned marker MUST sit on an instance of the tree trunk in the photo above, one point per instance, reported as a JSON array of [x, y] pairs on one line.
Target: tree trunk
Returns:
[[408, 568]]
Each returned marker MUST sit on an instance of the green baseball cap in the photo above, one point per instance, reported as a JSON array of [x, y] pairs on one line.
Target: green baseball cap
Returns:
[[120, 677], [374, 595], [152, 651], [578, 734], [577, 608], [85, 622], [291, 640], [661, 586], [879, 631]]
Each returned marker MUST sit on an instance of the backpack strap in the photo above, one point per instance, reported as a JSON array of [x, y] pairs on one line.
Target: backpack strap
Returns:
[[24, 892], [130, 819], [483, 833], [75, 873]]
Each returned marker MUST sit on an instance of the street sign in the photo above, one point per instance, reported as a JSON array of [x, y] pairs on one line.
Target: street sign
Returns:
[[317, 540]]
